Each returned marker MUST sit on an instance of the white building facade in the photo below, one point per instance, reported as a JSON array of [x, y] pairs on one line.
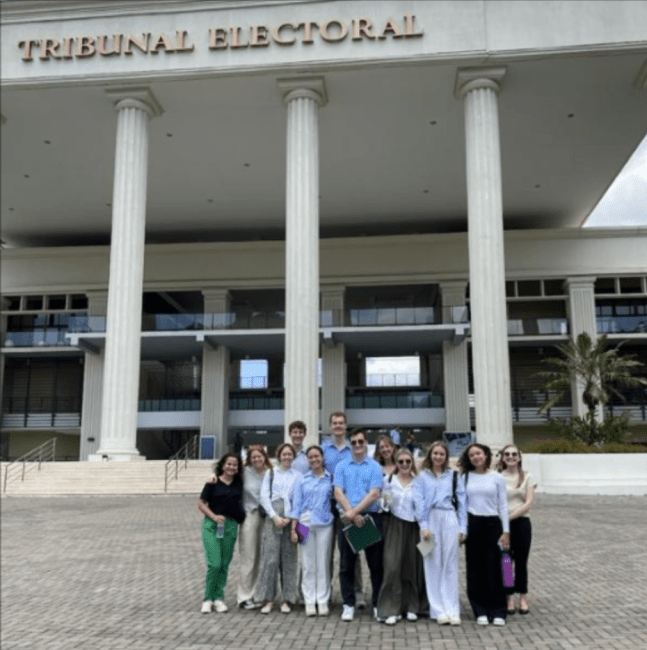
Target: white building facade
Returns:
[[218, 187]]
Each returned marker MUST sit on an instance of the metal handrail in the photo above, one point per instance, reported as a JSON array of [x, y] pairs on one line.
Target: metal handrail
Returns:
[[187, 452], [41, 454]]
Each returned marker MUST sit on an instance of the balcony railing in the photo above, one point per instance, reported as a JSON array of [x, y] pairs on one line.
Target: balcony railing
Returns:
[[622, 324], [256, 402], [537, 326], [174, 404], [393, 316], [36, 338], [393, 400]]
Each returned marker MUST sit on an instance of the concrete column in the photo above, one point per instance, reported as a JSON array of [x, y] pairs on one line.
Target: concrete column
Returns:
[[455, 372], [215, 395], [92, 384], [214, 419], [479, 89], [134, 106], [333, 356], [580, 308], [302, 97], [4, 304]]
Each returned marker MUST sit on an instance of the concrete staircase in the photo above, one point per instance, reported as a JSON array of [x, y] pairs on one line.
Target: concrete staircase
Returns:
[[107, 478]]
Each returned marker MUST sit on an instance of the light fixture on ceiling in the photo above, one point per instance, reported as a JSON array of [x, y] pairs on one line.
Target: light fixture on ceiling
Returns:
[[433, 122]]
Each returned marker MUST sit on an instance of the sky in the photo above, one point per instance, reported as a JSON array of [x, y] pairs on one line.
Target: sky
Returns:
[[625, 202]]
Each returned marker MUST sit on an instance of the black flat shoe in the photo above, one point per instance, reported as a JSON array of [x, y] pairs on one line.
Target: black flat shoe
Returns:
[[523, 612], [513, 611]]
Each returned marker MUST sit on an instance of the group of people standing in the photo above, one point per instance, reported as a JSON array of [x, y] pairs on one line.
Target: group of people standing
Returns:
[[289, 518]]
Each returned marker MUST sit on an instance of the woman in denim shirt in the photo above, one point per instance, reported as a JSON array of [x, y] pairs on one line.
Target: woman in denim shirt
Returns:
[[311, 507], [438, 517]]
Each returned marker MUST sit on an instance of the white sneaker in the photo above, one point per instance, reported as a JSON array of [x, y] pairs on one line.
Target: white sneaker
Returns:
[[323, 610], [443, 620], [411, 616], [499, 622], [482, 620], [219, 606], [391, 620], [454, 620], [347, 613], [311, 610], [207, 606]]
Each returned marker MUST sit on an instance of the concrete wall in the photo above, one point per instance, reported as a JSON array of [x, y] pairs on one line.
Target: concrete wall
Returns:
[[368, 260]]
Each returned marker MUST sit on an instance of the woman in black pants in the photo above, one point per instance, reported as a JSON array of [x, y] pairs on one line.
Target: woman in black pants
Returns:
[[488, 532], [521, 496]]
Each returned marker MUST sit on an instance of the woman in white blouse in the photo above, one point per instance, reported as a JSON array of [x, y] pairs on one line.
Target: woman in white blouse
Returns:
[[488, 531], [521, 496], [402, 591], [444, 518], [278, 552], [249, 537]]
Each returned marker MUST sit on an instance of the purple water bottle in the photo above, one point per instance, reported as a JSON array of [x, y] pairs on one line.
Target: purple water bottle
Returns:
[[508, 569]]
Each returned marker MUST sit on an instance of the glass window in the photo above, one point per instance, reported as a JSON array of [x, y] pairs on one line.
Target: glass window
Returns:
[[78, 301], [529, 288], [509, 289], [631, 285], [605, 285], [253, 373], [393, 371], [33, 302], [56, 302], [11, 303], [554, 288]]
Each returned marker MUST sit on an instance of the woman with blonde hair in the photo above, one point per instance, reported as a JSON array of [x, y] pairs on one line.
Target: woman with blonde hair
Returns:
[[278, 552], [439, 497], [403, 590], [384, 454], [520, 490], [249, 538]]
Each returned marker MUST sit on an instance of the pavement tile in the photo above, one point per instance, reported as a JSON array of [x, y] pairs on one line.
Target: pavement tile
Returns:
[[127, 573]]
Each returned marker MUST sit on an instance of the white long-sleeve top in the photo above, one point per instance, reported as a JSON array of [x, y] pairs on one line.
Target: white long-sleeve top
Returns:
[[282, 488], [431, 491], [487, 497], [398, 497]]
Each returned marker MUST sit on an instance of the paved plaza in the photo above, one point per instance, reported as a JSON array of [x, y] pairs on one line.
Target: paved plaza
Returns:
[[128, 572]]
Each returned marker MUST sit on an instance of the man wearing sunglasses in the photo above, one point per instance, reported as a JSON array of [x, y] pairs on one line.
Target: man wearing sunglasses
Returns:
[[358, 484]]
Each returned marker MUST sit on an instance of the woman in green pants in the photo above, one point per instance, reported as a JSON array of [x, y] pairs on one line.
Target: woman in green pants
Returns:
[[221, 503]]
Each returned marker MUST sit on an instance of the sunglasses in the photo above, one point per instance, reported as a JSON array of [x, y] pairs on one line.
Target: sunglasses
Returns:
[[512, 454], [357, 443], [404, 462]]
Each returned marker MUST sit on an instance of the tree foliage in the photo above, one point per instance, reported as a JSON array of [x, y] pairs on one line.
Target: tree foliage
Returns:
[[598, 371]]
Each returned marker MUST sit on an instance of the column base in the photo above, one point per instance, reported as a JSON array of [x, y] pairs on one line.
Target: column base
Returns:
[[109, 456]]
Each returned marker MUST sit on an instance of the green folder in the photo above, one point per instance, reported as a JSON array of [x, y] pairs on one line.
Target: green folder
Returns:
[[361, 538]]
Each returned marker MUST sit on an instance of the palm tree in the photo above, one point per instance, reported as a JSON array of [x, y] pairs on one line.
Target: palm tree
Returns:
[[595, 368]]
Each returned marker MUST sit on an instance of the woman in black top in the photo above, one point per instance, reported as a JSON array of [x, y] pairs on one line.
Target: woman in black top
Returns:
[[221, 503]]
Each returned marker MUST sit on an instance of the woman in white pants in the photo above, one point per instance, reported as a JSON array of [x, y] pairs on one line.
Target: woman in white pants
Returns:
[[249, 537], [440, 511], [311, 507]]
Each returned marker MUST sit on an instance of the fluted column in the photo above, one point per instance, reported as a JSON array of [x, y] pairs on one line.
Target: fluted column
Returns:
[[479, 89], [581, 318], [455, 373], [302, 97], [333, 356], [134, 106]]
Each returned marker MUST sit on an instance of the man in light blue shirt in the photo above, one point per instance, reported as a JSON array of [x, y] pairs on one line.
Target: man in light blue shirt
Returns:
[[297, 433], [358, 485]]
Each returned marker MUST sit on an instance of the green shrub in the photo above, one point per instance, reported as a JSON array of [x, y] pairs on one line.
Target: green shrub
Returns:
[[588, 431], [623, 448]]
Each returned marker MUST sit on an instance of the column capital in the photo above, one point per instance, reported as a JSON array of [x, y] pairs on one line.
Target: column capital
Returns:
[[468, 79], [140, 97], [581, 282], [308, 87]]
